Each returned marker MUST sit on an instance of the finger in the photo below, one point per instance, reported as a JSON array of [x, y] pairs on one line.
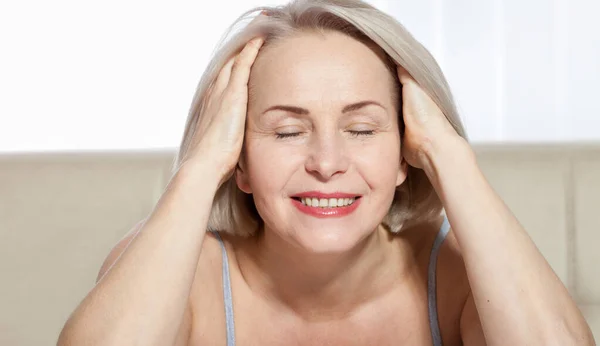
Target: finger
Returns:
[[215, 91], [404, 76], [243, 62], [223, 77]]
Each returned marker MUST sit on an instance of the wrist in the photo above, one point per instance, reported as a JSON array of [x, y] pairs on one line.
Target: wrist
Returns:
[[189, 195], [443, 157], [199, 173]]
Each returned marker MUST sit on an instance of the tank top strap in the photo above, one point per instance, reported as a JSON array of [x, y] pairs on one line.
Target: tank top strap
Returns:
[[227, 297], [431, 283], [431, 288]]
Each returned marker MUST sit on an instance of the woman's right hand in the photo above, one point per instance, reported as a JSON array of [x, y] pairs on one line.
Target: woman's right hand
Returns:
[[219, 133], [163, 253]]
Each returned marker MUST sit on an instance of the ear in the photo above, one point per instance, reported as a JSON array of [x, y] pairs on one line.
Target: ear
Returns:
[[402, 171], [241, 178]]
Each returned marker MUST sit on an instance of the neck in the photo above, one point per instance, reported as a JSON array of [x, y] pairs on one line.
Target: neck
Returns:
[[327, 286]]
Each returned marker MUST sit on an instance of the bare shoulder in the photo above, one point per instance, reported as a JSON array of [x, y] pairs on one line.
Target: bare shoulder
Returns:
[[209, 263], [453, 289], [205, 290], [452, 284], [450, 258], [451, 270], [111, 259], [206, 295], [455, 277]]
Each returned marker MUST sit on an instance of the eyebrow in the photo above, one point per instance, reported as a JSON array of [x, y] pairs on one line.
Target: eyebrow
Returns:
[[303, 111]]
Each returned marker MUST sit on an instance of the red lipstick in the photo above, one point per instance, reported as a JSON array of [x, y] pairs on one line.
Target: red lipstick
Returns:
[[325, 212]]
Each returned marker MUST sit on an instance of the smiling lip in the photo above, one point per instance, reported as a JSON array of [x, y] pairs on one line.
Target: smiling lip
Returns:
[[326, 212]]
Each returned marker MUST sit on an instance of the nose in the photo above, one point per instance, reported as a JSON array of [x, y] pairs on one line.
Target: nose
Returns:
[[327, 156]]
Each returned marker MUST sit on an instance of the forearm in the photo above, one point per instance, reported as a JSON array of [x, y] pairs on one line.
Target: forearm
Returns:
[[142, 298], [519, 298]]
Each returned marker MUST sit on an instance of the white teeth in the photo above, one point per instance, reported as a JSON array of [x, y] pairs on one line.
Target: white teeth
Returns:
[[327, 202]]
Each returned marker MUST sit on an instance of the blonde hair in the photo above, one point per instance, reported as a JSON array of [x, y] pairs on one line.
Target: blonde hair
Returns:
[[415, 200]]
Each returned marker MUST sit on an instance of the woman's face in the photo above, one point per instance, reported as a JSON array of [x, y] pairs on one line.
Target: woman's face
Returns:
[[322, 125]]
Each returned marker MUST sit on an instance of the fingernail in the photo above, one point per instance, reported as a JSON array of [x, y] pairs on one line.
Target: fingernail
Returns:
[[257, 41]]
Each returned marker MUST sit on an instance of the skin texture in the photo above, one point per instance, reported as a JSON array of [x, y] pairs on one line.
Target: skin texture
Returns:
[[304, 281], [329, 256], [331, 150], [330, 274], [319, 267]]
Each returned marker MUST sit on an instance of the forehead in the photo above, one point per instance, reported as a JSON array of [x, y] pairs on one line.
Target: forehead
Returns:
[[310, 67]]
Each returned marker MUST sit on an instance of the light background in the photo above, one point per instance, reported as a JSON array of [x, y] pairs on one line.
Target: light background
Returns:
[[117, 75]]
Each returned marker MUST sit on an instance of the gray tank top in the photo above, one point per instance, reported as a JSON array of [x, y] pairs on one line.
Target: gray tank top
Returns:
[[431, 290]]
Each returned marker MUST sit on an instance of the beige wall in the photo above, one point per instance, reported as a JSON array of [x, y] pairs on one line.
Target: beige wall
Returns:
[[61, 213]]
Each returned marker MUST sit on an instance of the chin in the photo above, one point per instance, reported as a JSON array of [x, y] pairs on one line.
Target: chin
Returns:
[[330, 240]]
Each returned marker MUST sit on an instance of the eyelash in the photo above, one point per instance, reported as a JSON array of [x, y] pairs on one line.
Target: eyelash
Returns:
[[362, 133], [354, 134]]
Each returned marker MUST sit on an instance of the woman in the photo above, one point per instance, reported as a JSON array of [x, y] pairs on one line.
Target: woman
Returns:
[[319, 156]]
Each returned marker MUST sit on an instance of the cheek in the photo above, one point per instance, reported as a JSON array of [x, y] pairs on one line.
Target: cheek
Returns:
[[269, 169], [270, 165], [379, 161]]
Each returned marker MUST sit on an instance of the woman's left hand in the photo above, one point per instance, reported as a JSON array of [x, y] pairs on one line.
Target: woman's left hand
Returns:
[[427, 128]]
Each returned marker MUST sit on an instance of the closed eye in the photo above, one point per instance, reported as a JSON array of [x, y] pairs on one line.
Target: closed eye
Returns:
[[362, 133], [353, 133], [287, 135]]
